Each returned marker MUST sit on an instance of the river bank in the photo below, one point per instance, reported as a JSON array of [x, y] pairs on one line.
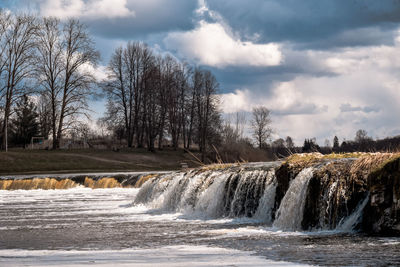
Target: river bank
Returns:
[[25, 162]]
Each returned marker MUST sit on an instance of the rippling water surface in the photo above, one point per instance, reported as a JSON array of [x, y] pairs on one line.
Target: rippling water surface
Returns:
[[84, 226]]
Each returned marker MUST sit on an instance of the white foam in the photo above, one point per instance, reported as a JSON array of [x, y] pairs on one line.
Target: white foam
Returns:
[[251, 231], [394, 241], [164, 256]]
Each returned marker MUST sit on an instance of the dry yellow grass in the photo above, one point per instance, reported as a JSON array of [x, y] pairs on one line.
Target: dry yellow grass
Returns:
[[364, 164], [305, 158], [372, 162], [217, 166]]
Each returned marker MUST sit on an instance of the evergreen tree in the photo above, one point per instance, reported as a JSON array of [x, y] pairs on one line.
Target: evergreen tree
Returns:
[[306, 146], [24, 124], [335, 143], [310, 145]]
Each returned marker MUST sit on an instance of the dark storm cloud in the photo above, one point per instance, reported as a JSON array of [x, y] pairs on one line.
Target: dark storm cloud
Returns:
[[162, 16], [155, 16], [349, 108], [323, 23], [300, 108], [261, 79]]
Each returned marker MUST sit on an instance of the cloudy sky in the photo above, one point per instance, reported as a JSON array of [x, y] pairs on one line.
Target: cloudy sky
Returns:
[[323, 67]]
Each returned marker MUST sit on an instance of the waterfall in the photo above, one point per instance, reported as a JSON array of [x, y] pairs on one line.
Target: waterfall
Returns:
[[287, 197], [290, 212], [349, 223], [267, 201], [241, 192], [213, 193]]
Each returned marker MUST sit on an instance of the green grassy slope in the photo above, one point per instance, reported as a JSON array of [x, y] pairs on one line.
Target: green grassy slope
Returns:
[[64, 161]]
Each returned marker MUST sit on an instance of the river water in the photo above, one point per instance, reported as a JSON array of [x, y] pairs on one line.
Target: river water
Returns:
[[102, 227]]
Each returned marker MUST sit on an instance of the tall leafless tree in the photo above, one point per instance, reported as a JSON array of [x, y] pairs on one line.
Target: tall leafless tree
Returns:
[[261, 125], [18, 45], [44, 110], [50, 69], [205, 109], [129, 69], [5, 20], [120, 98], [77, 81]]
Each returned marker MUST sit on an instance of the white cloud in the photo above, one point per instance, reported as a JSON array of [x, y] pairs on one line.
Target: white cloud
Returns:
[[211, 44], [236, 102], [86, 9], [99, 72], [286, 99], [358, 89]]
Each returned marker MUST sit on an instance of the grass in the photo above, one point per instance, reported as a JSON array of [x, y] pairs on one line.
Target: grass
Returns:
[[217, 166], [363, 165], [383, 161], [307, 159], [70, 161]]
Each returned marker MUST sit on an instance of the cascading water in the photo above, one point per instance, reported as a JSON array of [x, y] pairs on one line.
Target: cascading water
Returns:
[[252, 192], [351, 221], [321, 195], [212, 194], [267, 201], [290, 212]]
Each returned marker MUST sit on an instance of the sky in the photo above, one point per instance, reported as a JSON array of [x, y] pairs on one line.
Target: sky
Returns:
[[322, 67]]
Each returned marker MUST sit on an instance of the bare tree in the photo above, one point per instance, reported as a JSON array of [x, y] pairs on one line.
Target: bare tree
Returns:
[[261, 125], [5, 21], [44, 110], [157, 96], [120, 98], [18, 44], [130, 69], [207, 107], [289, 142], [77, 81], [361, 136], [167, 82], [240, 123], [196, 83], [49, 69], [65, 54], [153, 109]]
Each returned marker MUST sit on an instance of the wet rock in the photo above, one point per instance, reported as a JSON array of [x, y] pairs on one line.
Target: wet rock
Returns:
[[382, 214], [332, 195]]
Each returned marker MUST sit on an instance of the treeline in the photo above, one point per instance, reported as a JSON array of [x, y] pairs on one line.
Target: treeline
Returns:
[[152, 97], [47, 77], [364, 143], [361, 143]]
